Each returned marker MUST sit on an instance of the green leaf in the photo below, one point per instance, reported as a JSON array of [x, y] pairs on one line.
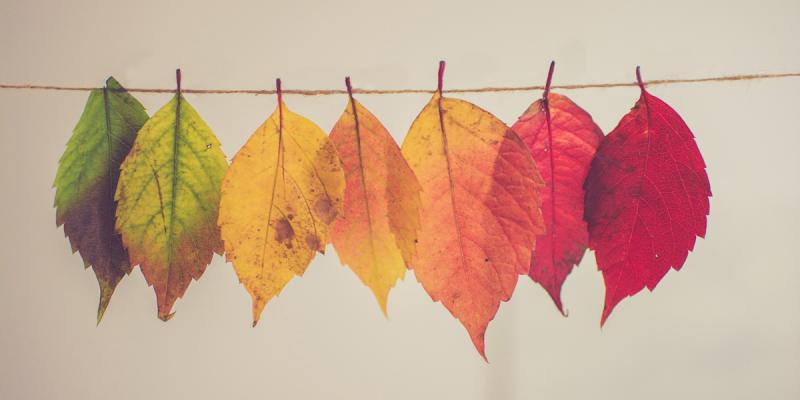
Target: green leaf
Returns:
[[87, 177]]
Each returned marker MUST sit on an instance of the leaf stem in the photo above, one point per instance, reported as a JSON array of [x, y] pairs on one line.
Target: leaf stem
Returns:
[[549, 80], [282, 151], [178, 80], [441, 77], [639, 78], [349, 87], [278, 90]]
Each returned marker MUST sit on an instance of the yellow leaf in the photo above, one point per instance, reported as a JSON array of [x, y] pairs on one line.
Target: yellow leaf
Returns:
[[283, 189], [376, 234]]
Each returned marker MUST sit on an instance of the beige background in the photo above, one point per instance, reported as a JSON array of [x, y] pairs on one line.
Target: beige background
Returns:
[[726, 326]]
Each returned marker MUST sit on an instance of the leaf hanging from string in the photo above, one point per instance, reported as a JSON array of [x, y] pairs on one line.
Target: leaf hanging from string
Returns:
[[282, 191], [479, 209], [646, 199], [168, 197], [376, 233], [563, 140], [87, 176]]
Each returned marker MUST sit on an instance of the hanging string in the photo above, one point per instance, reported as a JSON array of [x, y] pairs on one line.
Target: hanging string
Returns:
[[499, 89]]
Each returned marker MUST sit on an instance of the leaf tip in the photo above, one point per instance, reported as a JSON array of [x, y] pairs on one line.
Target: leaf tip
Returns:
[[559, 305], [606, 312], [105, 297], [554, 291], [165, 316], [482, 352], [383, 300], [479, 342], [258, 307]]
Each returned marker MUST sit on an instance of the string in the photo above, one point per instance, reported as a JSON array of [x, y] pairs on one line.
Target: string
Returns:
[[498, 89]]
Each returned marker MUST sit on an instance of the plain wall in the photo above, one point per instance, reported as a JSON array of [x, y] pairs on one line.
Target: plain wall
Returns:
[[727, 326]]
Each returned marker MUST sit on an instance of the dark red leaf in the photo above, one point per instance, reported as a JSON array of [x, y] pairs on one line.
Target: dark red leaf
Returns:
[[646, 199]]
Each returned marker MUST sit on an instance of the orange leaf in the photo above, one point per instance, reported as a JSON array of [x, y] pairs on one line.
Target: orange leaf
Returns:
[[480, 210], [376, 234]]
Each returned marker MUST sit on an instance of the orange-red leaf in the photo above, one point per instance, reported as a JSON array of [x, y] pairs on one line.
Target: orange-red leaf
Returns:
[[479, 212], [563, 140], [375, 235]]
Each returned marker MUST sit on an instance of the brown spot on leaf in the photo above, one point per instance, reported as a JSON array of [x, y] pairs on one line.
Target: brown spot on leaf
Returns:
[[324, 210], [284, 232], [312, 241]]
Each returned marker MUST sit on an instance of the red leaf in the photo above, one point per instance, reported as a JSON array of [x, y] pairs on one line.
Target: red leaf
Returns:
[[563, 140], [646, 199]]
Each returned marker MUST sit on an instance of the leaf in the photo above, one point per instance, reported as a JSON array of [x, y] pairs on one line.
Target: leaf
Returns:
[[87, 176], [646, 199], [168, 197], [563, 140], [282, 191], [375, 235], [479, 209]]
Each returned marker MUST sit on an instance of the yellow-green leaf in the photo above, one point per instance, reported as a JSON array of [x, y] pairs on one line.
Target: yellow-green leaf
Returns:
[[168, 197]]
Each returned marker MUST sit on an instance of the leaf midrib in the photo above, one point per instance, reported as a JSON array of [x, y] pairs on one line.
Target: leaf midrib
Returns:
[[274, 186], [364, 188], [641, 184], [552, 183], [452, 184], [175, 154]]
